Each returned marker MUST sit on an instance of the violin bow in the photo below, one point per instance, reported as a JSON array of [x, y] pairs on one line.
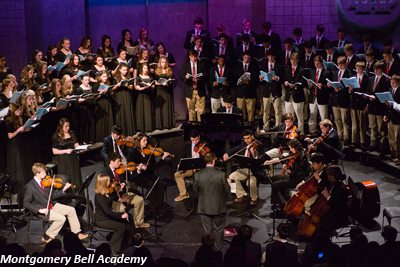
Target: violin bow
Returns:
[[152, 152], [48, 200], [243, 149]]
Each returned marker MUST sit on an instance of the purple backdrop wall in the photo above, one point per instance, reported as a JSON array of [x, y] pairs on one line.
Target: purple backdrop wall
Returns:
[[29, 24]]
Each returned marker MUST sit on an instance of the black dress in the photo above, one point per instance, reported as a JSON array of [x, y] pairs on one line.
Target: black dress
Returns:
[[4, 102], [164, 105], [144, 109], [20, 158], [124, 110], [67, 164], [85, 110], [103, 115]]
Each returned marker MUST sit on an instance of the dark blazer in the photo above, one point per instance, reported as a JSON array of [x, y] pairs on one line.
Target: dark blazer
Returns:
[[307, 64], [201, 81], [213, 191], [108, 148], [337, 215], [342, 98], [322, 44], [394, 69], [220, 90], [321, 95], [376, 51], [253, 254], [215, 41], [239, 37], [243, 90], [35, 198], [375, 107], [229, 53], [239, 51], [394, 115], [235, 110], [281, 254], [358, 102], [282, 57], [325, 148], [103, 210], [335, 43], [205, 35], [370, 67], [352, 64], [297, 92], [273, 87], [275, 40]]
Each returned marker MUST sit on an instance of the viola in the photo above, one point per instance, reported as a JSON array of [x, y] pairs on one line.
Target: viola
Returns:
[[155, 151], [58, 183], [131, 166], [126, 141], [201, 149]]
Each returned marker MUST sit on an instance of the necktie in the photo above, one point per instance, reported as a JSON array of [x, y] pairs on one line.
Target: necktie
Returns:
[[220, 72], [42, 186], [194, 69], [367, 68], [359, 80], [116, 177], [376, 82], [116, 150], [316, 76], [339, 75], [245, 67], [248, 154], [293, 70], [340, 44], [307, 58], [245, 48], [329, 58], [287, 58], [228, 110], [270, 68], [347, 61], [387, 68], [318, 42], [222, 50]]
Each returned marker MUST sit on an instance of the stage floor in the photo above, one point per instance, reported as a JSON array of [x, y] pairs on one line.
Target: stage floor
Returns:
[[181, 236]]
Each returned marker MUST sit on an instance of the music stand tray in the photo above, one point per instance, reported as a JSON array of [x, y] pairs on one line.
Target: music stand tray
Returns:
[[191, 164], [245, 162], [221, 119]]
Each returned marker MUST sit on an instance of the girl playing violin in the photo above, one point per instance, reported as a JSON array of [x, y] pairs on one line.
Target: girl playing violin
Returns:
[[293, 171], [147, 177]]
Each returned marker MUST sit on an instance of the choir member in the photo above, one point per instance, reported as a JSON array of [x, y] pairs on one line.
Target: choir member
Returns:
[[144, 105], [103, 115], [162, 51]]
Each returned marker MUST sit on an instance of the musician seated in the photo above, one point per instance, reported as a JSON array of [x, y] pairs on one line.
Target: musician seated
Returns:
[[328, 143], [249, 148], [143, 154], [285, 131], [335, 194], [105, 217], [191, 149], [38, 201], [318, 173], [228, 106], [110, 144], [112, 169], [293, 171]]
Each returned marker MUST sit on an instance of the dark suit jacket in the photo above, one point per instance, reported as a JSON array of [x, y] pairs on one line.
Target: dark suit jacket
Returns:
[[375, 107], [239, 50], [243, 90], [341, 98], [239, 37], [273, 87], [297, 92], [307, 64], [281, 254], [213, 191], [229, 53], [394, 115], [235, 110], [370, 68], [220, 90], [394, 69], [35, 198], [352, 64], [201, 81], [108, 148], [275, 40], [321, 95], [253, 254], [281, 58], [358, 102], [325, 148], [322, 44], [204, 34]]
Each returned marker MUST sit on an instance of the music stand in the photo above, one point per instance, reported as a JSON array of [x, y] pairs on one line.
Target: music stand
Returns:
[[4, 187], [221, 119], [191, 164], [85, 187]]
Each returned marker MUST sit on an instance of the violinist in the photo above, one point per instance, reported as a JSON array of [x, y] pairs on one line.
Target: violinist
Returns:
[[193, 149], [328, 143], [250, 149], [36, 198], [146, 171], [111, 144], [286, 131], [295, 169], [114, 163]]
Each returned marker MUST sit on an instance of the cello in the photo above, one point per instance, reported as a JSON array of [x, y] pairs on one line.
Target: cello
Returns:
[[308, 225], [295, 205]]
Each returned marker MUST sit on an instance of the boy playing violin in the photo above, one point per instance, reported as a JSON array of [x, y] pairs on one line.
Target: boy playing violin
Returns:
[[36, 200]]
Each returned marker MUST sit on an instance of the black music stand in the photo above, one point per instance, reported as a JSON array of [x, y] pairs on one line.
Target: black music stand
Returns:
[[221, 119], [5, 188], [84, 187]]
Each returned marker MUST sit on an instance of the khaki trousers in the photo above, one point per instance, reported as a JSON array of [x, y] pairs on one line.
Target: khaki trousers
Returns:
[[57, 216], [180, 180], [196, 106], [342, 121], [315, 108], [276, 102], [248, 106], [138, 207], [376, 127], [358, 126], [394, 139], [240, 175]]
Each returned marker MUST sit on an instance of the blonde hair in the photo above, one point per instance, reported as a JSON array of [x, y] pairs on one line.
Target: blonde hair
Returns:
[[38, 167], [341, 60], [66, 90], [102, 183], [158, 70], [326, 123]]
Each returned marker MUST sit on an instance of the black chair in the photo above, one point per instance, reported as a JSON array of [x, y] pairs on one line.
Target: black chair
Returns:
[[29, 217], [92, 224]]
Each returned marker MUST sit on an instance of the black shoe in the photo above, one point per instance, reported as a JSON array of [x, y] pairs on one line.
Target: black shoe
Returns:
[[278, 214]]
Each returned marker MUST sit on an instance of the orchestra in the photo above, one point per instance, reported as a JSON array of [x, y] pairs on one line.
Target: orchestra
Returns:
[[117, 99]]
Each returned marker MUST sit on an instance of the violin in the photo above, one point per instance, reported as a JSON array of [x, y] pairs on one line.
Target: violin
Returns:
[[201, 149], [155, 151], [126, 141], [317, 141], [291, 133], [292, 160], [57, 182], [131, 166]]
